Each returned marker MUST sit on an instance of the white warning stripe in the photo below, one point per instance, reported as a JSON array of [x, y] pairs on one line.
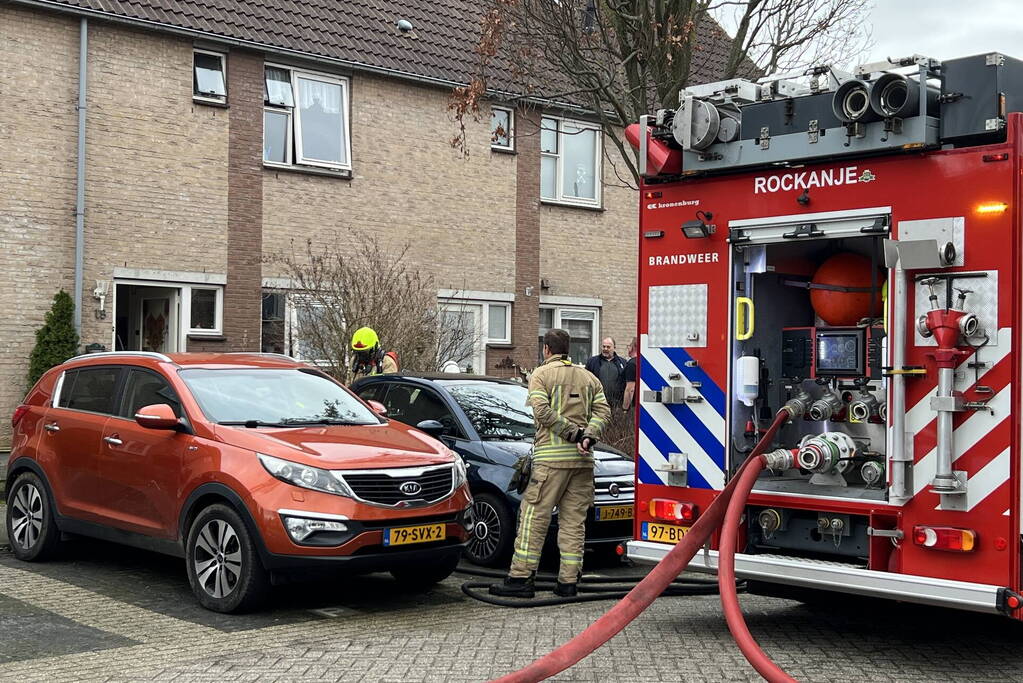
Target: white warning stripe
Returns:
[[652, 457], [983, 483], [698, 458], [971, 431], [664, 366], [920, 415]]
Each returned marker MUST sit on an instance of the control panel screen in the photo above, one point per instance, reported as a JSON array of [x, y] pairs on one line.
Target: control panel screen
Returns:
[[840, 352]]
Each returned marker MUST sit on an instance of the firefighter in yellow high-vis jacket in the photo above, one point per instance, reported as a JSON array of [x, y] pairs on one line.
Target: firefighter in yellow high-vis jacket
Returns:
[[570, 412]]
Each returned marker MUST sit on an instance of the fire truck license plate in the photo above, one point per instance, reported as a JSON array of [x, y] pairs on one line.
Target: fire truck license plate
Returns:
[[414, 534], [663, 533], [610, 513]]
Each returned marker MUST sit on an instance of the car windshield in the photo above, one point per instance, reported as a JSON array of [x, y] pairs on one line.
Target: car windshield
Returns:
[[273, 397], [496, 410]]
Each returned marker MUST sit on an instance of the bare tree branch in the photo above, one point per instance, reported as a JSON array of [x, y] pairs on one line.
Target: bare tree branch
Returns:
[[624, 58], [354, 280]]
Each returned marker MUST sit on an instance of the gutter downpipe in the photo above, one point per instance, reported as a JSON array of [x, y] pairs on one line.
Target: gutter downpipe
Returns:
[[83, 64]]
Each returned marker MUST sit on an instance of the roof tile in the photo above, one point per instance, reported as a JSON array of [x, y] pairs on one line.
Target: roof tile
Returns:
[[361, 32]]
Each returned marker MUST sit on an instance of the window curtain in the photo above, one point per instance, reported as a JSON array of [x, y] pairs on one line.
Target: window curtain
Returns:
[[326, 95], [278, 87]]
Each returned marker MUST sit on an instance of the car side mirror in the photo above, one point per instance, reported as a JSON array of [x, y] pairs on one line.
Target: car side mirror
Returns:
[[157, 416], [432, 427], [377, 407]]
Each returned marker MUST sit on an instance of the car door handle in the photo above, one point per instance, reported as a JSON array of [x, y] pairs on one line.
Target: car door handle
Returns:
[[52, 427], [113, 440]]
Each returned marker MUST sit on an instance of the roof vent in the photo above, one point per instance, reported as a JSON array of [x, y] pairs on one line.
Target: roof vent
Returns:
[[404, 26]]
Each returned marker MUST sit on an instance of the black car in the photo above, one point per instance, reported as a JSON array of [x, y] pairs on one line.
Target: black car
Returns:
[[487, 422]]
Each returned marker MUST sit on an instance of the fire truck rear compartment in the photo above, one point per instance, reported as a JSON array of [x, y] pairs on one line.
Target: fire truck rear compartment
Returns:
[[808, 533], [834, 370]]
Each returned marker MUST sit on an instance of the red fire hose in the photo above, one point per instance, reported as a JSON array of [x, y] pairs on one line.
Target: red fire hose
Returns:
[[647, 590], [726, 576]]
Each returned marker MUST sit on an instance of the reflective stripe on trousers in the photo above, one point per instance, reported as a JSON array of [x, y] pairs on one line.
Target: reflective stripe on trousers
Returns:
[[571, 491]]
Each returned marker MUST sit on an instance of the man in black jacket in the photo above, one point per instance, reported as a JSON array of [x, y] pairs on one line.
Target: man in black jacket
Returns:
[[608, 366]]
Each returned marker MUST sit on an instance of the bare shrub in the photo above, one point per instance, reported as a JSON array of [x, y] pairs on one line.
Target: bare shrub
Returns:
[[354, 280]]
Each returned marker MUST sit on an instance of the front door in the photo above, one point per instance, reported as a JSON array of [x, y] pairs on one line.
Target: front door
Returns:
[[155, 319], [141, 467], [146, 318]]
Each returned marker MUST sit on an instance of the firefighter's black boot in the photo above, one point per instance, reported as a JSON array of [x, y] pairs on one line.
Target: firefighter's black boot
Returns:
[[566, 590], [514, 587]]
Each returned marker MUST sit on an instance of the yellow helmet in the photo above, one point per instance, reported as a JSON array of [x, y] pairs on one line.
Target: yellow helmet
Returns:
[[364, 339]]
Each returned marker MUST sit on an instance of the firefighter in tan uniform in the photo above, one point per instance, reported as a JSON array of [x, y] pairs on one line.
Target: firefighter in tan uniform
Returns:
[[570, 412], [370, 359]]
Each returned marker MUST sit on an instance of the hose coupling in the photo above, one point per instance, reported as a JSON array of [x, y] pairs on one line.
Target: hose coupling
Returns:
[[826, 453], [780, 459], [864, 407], [826, 407], [798, 404]]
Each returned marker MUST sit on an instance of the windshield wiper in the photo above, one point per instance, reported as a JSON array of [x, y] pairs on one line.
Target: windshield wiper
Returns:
[[250, 424], [290, 421]]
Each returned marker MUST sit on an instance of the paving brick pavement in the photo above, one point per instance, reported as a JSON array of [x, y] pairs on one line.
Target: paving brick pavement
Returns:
[[103, 612]]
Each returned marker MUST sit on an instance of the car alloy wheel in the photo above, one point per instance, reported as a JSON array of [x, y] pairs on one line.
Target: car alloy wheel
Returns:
[[217, 558], [31, 526], [487, 530], [27, 511], [493, 530]]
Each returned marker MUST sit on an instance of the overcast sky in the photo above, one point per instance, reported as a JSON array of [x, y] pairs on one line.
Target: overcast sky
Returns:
[[946, 28]]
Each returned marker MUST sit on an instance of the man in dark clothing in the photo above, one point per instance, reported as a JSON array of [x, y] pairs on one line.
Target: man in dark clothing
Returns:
[[608, 366]]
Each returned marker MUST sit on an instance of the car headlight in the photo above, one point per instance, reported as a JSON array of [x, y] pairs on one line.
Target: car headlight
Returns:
[[305, 476], [461, 475]]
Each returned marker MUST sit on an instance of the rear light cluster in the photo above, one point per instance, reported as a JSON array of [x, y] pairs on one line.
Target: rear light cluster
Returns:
[[19, 413], [672, 510], [945, 538]]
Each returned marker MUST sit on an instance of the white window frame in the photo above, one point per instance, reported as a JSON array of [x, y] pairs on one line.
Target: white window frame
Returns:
[[218, 311], [596, 311], [510, 147], [217, 99], [506, 339], [294, 151], [289, 138], [559, 156], [479, 352], [181, 318], [293, 301], [484, 305], [483, 331]]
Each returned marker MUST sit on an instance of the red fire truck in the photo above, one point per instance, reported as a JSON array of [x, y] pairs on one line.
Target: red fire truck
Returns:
[[851, 250]]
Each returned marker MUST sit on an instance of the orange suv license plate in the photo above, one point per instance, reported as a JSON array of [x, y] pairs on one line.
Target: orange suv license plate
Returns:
[[610, 513], [424, 533], [663, 533]]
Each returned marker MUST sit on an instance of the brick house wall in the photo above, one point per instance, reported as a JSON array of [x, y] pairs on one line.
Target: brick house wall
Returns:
[[174, 185], [408, 185], [37, 184], [594, 254], [156, 165], [243, 292]]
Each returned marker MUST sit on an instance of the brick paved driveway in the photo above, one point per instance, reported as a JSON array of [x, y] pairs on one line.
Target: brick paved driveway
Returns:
[[110, 613]]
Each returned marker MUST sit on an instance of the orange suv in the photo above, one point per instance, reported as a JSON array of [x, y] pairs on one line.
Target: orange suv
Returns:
[[251, 467]]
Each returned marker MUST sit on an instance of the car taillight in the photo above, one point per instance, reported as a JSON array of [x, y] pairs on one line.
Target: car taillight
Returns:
[[945, 538], [19, 413], [672, 510]]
